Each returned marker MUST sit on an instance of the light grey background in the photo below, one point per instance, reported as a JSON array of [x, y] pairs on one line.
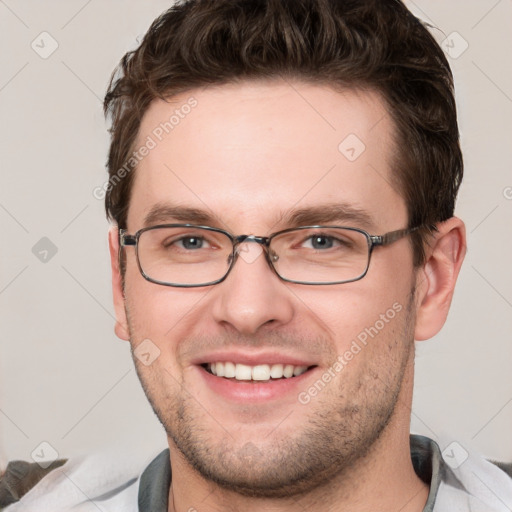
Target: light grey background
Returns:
[[64, 377]]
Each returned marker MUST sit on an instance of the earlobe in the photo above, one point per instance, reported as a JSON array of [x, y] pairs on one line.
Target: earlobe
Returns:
[[436, 281], [121, 327]]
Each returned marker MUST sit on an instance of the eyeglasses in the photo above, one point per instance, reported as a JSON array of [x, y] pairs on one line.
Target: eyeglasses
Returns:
[[186, 255]]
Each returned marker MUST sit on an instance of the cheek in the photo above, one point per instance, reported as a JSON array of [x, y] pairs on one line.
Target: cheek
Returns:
[[161, 314], [348, 311]]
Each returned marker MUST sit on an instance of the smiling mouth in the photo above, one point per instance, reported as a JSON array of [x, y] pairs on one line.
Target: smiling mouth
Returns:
[[257, 373]]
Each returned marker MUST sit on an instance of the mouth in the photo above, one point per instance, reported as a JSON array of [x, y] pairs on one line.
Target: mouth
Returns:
[[260, 373], [255, 377]]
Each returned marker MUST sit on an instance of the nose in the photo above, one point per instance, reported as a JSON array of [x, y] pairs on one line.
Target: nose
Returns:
[[252, 296]]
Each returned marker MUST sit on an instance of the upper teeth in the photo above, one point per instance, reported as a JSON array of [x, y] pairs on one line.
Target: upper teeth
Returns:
[[258, 372]]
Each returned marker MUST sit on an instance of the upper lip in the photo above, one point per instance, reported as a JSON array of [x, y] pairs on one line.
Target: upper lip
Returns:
[[253, 358]]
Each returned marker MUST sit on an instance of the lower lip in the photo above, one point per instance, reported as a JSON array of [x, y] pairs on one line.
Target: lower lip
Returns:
[[254, 391]]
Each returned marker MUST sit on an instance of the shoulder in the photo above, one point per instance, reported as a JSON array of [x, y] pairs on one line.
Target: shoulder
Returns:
[[20, 477], [485, 486], [461, 478], [78, 484]]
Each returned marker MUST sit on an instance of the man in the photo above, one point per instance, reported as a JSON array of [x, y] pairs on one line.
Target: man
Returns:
[[282, 180]]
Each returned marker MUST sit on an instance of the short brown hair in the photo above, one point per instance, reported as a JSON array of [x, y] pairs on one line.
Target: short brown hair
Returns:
[[373, 44]]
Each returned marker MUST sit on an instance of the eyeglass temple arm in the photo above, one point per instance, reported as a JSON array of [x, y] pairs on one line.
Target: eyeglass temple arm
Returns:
[[125, 239], [392, 236]]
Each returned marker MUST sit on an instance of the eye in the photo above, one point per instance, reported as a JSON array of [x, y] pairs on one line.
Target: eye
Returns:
[[322, 242], [192, 242], [188, 243]]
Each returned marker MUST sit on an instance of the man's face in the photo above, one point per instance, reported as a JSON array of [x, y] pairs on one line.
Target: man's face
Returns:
[[248, 157]]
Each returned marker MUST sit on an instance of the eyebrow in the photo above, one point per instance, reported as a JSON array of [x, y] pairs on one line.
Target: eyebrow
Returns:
[[329, 213], [163, 213]]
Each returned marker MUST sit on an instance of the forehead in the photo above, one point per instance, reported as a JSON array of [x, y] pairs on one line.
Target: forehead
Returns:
[[250, 153]]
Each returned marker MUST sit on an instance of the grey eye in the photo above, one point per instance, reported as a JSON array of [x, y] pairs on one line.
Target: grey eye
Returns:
[[192, 242]]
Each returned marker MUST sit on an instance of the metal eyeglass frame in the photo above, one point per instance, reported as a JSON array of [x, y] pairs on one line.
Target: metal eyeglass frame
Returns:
[[126, 240]]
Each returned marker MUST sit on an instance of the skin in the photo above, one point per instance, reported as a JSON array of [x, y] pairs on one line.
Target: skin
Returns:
[[247, 155]]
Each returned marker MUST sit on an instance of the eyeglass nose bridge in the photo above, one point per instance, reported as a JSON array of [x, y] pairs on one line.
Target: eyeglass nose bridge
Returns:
[[264, 241]]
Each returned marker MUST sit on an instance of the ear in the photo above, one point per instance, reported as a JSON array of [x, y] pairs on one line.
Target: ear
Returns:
[[435, 282], [121, 328]]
